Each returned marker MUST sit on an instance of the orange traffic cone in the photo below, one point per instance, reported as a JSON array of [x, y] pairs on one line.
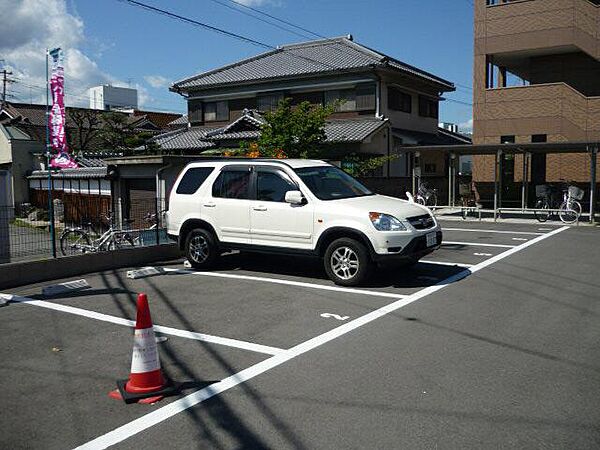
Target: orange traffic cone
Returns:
[[146, 382]]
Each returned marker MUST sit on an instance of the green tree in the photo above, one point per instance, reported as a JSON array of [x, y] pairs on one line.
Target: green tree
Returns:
[[296, 131]]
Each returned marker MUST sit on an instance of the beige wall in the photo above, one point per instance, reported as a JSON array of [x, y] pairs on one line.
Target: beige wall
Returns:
[[19, 154], [404, 120]]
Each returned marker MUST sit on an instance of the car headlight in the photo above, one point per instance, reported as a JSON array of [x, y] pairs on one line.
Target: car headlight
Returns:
[[385, 222]]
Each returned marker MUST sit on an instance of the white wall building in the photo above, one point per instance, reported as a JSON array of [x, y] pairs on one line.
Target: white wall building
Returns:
[[109, 97]]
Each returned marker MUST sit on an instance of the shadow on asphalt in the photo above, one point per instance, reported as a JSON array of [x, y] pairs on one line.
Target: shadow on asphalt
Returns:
[[418, 276], [487, 340]]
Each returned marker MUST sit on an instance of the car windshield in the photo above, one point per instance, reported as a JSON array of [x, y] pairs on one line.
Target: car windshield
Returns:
[[331, 183]]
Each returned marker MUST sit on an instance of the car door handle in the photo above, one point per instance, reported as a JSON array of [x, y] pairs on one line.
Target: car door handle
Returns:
[[259, 208], [210, 205]]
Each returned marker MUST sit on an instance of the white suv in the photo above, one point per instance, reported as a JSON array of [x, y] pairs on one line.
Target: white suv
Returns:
[[295, 206]]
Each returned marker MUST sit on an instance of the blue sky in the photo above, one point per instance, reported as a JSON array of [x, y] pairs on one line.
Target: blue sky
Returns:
[[123, 44]]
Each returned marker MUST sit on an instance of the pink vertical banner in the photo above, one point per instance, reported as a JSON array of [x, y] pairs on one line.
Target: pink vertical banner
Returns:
[[57, 118]]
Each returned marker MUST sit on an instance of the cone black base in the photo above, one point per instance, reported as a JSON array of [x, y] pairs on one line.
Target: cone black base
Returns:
[[130, 397]]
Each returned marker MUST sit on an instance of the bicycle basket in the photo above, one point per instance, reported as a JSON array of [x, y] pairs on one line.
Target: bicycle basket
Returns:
[[542, 190], [575, 192], [464, 189]]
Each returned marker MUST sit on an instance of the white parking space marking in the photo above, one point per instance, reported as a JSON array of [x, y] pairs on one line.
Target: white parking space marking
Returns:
[[520, 239], [477, 244], [334, 316], [482, 230], [544, 229], [445, 263], [482, 254], [167, 411], [289, 283], [130, 323]]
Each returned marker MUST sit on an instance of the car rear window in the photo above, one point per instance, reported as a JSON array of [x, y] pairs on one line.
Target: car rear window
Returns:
[[193, 179]]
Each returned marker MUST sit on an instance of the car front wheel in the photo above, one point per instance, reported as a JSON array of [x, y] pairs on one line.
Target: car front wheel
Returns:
[[347, 262]]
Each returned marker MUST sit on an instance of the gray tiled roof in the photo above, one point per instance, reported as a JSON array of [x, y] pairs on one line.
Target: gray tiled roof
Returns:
[[80, 173], [321, 56], [355, 130], [185, 139], [201, 138], [236, 135]]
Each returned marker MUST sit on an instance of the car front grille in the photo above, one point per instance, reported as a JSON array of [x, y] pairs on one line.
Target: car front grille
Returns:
[[421, 222]]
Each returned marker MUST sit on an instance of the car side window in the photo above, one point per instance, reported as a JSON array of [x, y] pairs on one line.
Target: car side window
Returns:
[[272, 186], [232, 184], [193, 179]]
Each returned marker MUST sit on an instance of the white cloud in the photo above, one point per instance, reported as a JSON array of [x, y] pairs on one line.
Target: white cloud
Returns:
[[252, 2], [29, 27], [157, 81], [466, 127]]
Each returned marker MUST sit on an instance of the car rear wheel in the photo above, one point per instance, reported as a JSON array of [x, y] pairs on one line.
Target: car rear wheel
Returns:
[[201, 249], [347, 262]]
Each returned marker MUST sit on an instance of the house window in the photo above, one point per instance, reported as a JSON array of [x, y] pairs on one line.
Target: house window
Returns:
[[507, 139], [428, 107], [399, 101], [216, 111], [365, 97], [538, 138], [195, 111], [269, 102], [345, 97]]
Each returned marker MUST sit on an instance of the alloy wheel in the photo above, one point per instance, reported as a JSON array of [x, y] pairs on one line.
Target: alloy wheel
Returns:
[[344, 263]]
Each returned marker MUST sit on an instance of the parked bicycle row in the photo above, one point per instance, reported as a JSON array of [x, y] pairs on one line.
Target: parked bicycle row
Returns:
[[82, 227]]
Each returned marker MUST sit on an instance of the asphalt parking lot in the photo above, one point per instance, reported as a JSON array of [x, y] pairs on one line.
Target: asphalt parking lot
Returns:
[[493, 341]]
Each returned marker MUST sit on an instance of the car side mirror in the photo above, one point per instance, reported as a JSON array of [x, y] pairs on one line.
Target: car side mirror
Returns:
[[294, 198]]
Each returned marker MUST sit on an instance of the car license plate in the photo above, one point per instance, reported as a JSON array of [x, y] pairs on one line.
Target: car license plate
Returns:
[[431, 239]]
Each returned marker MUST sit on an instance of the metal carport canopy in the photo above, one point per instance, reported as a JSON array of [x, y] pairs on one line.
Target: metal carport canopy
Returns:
[[490, 149], [531, 148]]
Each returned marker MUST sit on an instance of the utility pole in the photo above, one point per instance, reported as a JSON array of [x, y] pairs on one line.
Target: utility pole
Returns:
[[5, 80]]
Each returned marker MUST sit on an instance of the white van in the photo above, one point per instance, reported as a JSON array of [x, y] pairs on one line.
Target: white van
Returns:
[[295, 206]]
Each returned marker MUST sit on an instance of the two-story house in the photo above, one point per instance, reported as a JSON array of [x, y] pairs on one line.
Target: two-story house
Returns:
[[385, 105]]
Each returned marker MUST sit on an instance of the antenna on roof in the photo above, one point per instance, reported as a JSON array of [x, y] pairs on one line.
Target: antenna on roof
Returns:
[[349, 37]]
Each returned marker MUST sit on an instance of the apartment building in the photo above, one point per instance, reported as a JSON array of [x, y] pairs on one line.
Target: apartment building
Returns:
[[536, 79]]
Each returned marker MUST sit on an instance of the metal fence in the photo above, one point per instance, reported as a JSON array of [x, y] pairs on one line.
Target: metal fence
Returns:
[[26, 229]]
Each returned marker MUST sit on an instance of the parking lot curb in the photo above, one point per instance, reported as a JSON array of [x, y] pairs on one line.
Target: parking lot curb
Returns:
[[22, 273]]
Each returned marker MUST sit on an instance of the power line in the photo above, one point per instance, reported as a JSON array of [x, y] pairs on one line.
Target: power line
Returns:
[[233, 8], [256, 10], [197, 23], [222, 31]]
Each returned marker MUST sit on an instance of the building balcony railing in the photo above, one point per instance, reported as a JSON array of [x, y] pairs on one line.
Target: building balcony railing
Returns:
[[518, 25], [554, 109]]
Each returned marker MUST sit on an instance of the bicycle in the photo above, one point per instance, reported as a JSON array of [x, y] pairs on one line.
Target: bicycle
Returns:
[[569, 209], [426, 196], [469, 198], [76, 240]]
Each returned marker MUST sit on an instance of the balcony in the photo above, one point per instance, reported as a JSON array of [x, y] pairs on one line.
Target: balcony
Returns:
[[535, 26], [555, 109]]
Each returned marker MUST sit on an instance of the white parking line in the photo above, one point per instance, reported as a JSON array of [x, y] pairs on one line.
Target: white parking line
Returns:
[[167, 411], [158, 328], [288, 282], [482, 230], [478, 244], [445, 263]]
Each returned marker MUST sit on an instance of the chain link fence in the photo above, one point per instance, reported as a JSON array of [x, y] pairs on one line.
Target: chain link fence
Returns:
[[26, 229]]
